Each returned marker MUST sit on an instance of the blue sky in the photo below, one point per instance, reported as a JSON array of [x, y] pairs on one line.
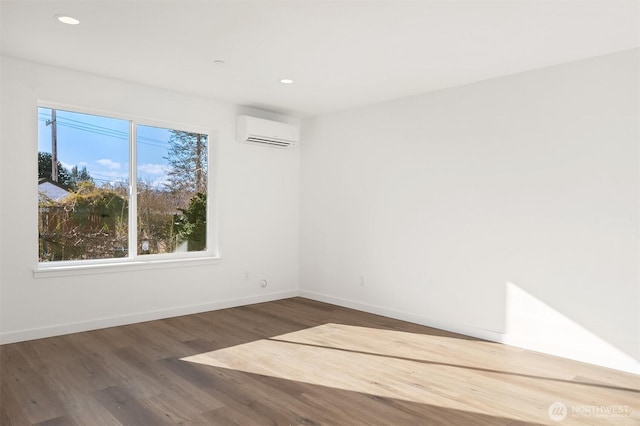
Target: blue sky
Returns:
[[102, 145]]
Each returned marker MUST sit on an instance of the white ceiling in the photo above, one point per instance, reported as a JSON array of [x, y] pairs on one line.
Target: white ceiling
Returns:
[[340, 54]]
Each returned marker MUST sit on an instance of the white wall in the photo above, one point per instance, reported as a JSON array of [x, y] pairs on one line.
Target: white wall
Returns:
[[257, 192], [506, 209], [479, 208]]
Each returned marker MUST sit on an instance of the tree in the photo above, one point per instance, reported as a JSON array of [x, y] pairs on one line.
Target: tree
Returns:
[[187, 159], [67, 179], [156, 210], [44, 170], [191, 226], [187, 184], [80, 175]]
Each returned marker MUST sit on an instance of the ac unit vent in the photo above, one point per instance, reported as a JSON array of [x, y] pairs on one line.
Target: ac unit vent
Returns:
[[274, 142], [266, 132]]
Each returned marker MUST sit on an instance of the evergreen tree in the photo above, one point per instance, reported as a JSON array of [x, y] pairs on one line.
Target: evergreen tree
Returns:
[[69, 180], [44, 171], [80, 175], [191, 225]]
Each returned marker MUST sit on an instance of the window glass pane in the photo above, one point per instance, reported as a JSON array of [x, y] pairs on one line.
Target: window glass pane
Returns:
[[83, 169], [172, 190]]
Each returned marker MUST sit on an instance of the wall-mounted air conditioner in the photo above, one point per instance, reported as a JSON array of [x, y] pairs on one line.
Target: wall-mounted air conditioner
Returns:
[[266, 132]]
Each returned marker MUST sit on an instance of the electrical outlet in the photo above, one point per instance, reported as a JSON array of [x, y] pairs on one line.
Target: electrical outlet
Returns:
[[263, 283], [362, 281], [246, 276]]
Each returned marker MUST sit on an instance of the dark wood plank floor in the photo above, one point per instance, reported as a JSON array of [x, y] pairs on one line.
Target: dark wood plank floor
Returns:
[[296, 361]]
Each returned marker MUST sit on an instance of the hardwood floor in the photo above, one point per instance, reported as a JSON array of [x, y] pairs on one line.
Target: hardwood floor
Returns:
[[298, 361]]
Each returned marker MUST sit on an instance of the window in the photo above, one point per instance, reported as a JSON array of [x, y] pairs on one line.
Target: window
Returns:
[[90, 207]]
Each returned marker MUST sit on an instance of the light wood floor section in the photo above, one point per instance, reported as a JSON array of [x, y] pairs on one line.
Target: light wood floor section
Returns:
[[297, 361]]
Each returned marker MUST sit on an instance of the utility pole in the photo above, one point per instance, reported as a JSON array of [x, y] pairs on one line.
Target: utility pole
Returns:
[[54, 146]]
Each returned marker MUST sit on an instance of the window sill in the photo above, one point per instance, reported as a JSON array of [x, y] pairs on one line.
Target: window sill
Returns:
[[135, 265]]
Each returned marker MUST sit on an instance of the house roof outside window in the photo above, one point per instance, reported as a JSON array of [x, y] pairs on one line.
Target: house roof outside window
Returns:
[[51, 190]]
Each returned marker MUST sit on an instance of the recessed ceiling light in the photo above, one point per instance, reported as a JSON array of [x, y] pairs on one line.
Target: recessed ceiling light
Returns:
[[286, 81], [67, 19], [218, 62]]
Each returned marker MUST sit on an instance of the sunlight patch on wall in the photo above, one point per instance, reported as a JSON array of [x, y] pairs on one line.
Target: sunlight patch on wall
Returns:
[[532, 324]]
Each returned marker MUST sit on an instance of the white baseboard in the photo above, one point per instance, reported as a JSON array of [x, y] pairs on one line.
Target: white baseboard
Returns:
[[95, 324], [630, 366], [627, 365], [417, 319]]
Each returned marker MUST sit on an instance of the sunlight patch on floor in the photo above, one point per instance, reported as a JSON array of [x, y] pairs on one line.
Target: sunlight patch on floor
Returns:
[[454, 373]]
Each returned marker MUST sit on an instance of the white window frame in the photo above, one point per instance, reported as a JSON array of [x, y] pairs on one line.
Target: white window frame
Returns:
[[134, 261]]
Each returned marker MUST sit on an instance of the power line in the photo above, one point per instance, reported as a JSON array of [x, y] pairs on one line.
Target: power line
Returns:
[[105, 131], [102, 128]]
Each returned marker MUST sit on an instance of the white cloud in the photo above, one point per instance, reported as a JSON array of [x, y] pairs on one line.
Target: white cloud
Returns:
[[152, 169], [66, 165], [110, 164]]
